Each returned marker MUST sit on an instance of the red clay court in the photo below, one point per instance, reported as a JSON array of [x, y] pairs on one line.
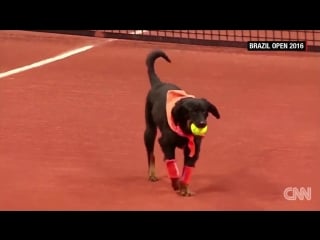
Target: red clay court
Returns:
[[61, 149]]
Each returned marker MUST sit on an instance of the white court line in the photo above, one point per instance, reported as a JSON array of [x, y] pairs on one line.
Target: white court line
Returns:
[[45, 61], [57, 58], [139, 32]]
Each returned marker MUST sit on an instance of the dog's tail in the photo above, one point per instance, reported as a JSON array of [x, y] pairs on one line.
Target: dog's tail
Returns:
[[151, 58]]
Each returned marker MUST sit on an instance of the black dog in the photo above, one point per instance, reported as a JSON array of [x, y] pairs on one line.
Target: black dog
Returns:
[[172, 111]]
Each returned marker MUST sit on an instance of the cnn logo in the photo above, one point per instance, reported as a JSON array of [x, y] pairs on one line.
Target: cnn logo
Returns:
[[294, 193]]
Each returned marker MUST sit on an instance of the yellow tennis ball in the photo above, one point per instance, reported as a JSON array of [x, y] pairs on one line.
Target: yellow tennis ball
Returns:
[[198, 131]]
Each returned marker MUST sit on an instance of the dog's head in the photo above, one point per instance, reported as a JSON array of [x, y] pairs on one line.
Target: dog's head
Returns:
[[193, 110]]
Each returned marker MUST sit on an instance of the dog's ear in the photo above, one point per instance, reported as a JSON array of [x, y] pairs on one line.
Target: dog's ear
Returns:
[[212, 108], [179, 112]]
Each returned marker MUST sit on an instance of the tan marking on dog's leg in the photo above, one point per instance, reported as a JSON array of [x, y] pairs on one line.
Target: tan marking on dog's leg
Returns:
[[152, 169]]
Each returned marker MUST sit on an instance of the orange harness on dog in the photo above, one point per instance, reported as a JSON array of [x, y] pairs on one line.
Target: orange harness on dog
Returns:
[[173, 96]]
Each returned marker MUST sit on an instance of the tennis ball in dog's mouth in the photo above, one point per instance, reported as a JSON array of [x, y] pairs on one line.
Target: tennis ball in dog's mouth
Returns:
[[198, 131]]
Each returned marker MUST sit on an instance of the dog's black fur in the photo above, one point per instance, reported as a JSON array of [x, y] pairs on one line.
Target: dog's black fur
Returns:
[[185, 112]]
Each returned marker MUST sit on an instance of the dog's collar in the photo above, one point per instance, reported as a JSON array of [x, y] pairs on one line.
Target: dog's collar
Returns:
[[190, 138], [179, 131]]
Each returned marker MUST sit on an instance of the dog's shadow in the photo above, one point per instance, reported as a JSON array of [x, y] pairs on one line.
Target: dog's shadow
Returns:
[[143, 183], [201, 184], [212, 183], [243, 182]]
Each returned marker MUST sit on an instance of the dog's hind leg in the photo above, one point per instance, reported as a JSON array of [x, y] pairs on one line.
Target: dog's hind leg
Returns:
[[149, 140], [150, 134]]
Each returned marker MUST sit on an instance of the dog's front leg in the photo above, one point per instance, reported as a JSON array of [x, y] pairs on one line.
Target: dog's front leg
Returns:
[[189, 165], [184, 184], [168, 149]]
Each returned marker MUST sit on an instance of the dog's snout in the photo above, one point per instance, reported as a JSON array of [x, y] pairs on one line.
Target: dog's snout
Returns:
[[202, 124]]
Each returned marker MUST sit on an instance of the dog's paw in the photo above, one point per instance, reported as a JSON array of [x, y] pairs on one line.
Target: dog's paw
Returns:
[[175, 184], [153, 178], [184, 191]]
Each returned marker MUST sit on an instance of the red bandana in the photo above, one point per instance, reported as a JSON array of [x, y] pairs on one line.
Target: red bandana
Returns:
[[174, 96]]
